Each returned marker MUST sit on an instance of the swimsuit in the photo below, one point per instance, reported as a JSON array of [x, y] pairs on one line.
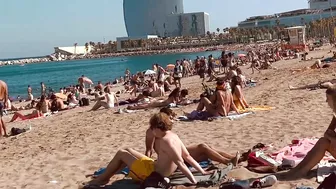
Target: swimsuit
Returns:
[[141, 168]]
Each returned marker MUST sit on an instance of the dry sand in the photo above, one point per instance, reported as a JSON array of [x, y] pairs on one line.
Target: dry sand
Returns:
[[66, 146]]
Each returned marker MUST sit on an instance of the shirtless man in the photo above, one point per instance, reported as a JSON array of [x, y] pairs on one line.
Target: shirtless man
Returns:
[[172, 154], [81, 83], [200, 152], [219, 104], [3, 105]]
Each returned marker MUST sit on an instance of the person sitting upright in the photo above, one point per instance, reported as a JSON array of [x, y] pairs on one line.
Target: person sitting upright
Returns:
[[220, 103], [110, 97], [237, 93], [200, 152], [172, 154]]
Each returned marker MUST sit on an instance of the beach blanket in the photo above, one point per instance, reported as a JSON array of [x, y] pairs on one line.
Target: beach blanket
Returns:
[[176, 179], [125, 171], [204, 116], [294, 153]]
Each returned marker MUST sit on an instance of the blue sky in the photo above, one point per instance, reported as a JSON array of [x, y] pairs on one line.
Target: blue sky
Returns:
[[34, 27]]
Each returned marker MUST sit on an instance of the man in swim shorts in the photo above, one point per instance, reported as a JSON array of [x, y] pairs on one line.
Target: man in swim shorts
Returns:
[[3, 103], [172, 154]]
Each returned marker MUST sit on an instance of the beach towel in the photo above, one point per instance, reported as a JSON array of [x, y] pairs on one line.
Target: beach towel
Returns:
[[125, 171], [204, 116], [177, 179], [294, 153], [324, 169], [202, 180]]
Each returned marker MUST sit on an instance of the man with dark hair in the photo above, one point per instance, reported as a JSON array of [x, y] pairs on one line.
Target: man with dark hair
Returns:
[[3, 105], [172, 154]]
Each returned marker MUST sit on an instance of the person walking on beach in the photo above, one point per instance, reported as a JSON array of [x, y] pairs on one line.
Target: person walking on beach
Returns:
[[3, 105], [178, 70]]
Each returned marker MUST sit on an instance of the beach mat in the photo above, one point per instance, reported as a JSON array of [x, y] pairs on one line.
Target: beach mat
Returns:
[[176, 180], [231, 116]]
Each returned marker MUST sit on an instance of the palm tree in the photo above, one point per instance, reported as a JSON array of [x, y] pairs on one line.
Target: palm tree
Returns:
[[86, 47], [75, 49]]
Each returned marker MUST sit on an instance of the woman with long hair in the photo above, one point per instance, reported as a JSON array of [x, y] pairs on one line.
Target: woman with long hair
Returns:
[[237, 93]]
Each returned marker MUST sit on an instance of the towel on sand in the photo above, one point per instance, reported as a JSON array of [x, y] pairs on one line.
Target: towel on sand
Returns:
[[324, 169]]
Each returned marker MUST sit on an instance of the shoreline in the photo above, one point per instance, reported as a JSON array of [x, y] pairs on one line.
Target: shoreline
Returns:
[[49, 58]]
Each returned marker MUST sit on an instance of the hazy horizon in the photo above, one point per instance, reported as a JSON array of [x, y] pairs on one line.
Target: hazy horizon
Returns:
[[34, 28]]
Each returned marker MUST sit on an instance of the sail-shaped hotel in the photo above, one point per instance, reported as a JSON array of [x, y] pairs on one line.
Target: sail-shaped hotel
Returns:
[[162, 18]]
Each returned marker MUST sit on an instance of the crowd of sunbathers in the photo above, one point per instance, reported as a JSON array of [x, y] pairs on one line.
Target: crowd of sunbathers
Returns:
[[149, 92]]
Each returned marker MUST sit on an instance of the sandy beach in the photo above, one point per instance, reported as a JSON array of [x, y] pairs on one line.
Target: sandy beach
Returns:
[[61, 149]]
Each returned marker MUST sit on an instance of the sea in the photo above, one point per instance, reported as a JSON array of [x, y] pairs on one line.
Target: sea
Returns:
[[57, 75]]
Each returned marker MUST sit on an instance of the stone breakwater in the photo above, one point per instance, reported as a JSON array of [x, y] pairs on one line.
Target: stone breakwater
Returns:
[[25, 61]]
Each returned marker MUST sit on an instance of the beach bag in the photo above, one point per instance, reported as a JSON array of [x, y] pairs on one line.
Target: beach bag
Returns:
[[84, 102], [155, 180], [254, 161], [329, 182]]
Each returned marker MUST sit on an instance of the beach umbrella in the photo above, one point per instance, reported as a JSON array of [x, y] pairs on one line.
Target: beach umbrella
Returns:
[[150, 72], [170, 67]]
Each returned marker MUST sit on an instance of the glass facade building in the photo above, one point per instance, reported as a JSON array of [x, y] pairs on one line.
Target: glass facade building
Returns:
[[149, 17]]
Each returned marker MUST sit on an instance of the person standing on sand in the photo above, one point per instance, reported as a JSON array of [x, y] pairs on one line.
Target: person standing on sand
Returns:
[[172, 154], [30, 94], [3, 105]]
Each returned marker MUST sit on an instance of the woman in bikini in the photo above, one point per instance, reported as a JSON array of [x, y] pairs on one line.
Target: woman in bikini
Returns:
[[174, 97], [237, 93], [327, 143]]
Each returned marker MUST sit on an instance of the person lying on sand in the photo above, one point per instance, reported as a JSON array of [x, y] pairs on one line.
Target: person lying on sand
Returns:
[[35, 114], [316, 65], [319, 85], [327, 143], [220, 104], [110, 97], [172, 154], [173, 97], [200, 152]]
